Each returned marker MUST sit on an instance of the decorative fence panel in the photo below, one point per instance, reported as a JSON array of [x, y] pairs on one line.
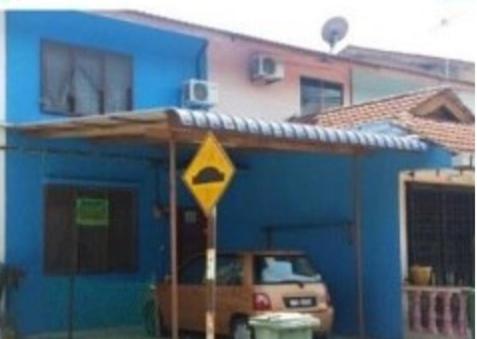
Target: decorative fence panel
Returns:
[[441, 311]]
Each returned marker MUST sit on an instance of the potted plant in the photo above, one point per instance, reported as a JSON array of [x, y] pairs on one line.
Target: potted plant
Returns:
[[420, 275]]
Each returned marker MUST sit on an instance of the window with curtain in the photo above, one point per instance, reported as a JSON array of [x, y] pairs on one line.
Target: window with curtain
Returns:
[[318, 95], [83, 81], [89, 230]]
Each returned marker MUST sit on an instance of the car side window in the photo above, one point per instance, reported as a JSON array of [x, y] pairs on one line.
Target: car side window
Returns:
[[229, 270], [193, 272]]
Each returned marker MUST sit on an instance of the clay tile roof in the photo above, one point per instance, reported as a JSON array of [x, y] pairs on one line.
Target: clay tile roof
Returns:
[[400, 109], [380, 109], [453, 136]]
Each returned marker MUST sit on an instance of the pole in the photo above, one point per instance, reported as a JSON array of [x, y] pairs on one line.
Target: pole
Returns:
[[173, 239], [211, 276], [358, 242], [72, 279], [71, 301]]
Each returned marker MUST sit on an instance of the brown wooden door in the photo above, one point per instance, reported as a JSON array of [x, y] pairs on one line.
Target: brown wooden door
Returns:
[[191, 233]]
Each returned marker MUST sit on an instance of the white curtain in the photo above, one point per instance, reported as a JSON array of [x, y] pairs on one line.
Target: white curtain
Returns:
[[84, 81], [57, 84], [117, 83], [87, 82]]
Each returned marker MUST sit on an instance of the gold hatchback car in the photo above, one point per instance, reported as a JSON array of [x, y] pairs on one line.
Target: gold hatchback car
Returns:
[[248, 284]]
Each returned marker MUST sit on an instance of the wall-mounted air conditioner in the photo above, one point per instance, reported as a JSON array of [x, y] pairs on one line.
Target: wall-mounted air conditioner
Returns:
[[199, 94], [266, 68]]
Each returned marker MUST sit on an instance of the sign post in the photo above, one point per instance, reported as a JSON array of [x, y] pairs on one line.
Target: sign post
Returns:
[[207, 177], [173, 239], [210, 275]]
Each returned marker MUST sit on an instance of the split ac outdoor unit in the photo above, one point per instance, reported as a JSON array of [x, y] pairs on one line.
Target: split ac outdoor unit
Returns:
[[199, 94], [266, 68]]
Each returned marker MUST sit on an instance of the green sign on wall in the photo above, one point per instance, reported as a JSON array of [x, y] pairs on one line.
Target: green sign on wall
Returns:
[[92, 212]]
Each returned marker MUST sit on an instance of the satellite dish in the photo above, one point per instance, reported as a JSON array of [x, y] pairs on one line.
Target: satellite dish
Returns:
[[334, 30]]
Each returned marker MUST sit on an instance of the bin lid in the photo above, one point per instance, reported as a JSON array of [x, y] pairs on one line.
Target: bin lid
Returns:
[[285, 320]]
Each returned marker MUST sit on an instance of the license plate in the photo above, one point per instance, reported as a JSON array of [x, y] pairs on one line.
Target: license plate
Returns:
[[300, 302]]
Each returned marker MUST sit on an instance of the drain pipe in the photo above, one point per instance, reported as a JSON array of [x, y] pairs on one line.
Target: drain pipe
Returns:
[[201, 69]]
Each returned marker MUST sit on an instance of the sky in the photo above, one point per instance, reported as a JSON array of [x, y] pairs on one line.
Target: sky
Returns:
[[413, 26], [405, 25]]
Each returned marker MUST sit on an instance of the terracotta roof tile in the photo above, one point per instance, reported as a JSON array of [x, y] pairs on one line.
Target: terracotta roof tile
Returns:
[[453, 136], [379, 109], [399, 109]]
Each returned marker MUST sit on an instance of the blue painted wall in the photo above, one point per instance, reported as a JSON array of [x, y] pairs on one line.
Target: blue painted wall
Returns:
[[381, 237], [297, 190], [273, 188], [162, 61], [315, 192], [41, 302]]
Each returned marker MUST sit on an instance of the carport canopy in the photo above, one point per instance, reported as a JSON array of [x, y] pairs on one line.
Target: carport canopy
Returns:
[[174, 126], [189, 126]]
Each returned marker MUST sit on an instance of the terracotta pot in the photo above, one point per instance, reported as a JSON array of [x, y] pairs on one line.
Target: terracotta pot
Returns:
[[421, 275]]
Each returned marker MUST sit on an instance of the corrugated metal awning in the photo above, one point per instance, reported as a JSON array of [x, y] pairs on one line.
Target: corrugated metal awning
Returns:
[[188, 126], [293, 131]]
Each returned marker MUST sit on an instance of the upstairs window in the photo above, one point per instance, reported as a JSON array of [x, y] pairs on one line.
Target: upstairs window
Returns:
[[81, 81], [318, 95]]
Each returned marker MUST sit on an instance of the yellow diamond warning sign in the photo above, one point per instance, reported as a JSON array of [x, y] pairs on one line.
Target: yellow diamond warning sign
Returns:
[[209, 173]]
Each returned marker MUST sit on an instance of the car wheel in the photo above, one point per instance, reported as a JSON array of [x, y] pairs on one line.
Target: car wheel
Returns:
[[241, 329]]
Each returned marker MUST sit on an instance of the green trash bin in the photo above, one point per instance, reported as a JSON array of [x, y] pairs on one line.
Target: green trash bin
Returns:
[[284, 326]]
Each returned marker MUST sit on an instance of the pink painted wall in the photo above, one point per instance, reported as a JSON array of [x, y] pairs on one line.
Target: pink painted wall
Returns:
[[228, 66], [228, 57]]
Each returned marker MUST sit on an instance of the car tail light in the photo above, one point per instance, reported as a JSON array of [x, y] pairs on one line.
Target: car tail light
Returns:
[[261, 302]]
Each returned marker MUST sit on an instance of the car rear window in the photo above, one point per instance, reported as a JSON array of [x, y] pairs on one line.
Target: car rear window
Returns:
[[284, 269], [229, 271]]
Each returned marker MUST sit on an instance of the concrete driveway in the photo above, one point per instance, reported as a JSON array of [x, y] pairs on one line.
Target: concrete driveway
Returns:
[[118, 333]]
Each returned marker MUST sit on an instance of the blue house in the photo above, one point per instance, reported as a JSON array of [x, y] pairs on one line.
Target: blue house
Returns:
[[49, 54], [91, 107]]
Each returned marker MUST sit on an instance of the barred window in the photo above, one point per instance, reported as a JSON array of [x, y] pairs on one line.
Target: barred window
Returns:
[[440, 230]]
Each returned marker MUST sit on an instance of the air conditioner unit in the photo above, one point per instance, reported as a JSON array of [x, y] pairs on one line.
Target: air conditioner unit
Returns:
[[266, 68], [199, 94]]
